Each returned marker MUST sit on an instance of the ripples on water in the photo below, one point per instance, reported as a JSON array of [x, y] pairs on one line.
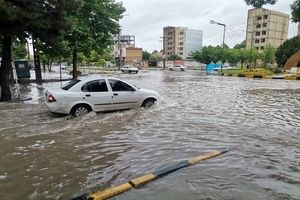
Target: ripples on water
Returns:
[[45, 156]]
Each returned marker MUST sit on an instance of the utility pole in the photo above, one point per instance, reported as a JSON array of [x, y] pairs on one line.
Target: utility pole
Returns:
[[119, 50], [164, 50]]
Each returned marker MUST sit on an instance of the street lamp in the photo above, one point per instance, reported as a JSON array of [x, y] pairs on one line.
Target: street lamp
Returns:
[[164, 50], [119, 44], [223, 45]]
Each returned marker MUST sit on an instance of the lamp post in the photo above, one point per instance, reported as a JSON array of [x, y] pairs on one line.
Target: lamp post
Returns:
[[164, 50], [120, 44], [223, 45]]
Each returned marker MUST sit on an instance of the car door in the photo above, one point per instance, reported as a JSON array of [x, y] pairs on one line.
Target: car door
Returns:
[[97, 94], [124, 95]]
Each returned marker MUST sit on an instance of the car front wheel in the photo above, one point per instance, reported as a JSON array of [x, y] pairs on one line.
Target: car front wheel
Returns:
[[80, 110], [148, 103]]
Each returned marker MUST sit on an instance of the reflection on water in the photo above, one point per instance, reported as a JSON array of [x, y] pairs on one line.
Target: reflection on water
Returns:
[[45, 156]]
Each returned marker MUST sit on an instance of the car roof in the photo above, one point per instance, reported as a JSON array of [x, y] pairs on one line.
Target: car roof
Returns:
[[91, 78]]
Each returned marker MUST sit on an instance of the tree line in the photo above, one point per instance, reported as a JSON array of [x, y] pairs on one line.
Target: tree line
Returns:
[[58, 28]]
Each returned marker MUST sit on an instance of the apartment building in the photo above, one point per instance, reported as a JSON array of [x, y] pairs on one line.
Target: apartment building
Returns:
[[181, 41], [298, 29], [266, 27]]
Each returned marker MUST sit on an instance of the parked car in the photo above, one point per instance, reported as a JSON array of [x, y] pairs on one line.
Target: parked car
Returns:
[[80, 96], [177, 68], [129, 69]]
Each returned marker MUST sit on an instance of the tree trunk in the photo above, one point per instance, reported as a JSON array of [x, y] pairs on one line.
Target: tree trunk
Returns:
[[37, 62], [75, 63], [5, 68], [44, 66]]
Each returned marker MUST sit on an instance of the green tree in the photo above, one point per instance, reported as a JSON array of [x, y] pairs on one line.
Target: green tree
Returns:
[[259, 3], [197, 55], [19, 50], [94, 25], [94, 56], [45, 19], [102, 62], [146, 55], [296, 11], [269, 54], [241, 45], [243, 56], [208, 54], [287, 49], [232, 55], [82, 59], [155, 58], [252, 56], [174, 57]]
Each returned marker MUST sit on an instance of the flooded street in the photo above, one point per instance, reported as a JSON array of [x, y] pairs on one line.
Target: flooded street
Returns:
[[45, 156]]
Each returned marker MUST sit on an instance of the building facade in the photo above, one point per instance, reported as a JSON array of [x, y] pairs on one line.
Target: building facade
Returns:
[[298, 29], [169, 40], [181, 41], [266, 27], [133, 56]]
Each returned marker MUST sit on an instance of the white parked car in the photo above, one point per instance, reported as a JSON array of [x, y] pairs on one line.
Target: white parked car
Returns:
[[129, 69], [177, 68], [80, 96]]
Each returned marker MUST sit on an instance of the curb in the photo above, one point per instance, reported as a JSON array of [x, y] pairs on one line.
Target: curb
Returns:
[[257, 76], [142, 180]]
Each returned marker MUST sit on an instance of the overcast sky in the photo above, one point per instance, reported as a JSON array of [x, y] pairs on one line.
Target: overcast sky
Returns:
[[146, 18]]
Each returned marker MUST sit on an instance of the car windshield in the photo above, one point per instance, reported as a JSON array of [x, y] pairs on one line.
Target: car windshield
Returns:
[[70, 84]]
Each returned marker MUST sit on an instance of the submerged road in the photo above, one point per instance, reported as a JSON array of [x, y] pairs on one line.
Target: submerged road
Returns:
[[45, 156]]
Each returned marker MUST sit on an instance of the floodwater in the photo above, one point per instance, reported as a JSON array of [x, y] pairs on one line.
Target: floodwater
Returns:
[[45, 156]]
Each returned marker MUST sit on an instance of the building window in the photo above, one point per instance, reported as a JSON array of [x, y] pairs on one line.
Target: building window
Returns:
[[264, 33], [257, 41], [265, 25], [180, 43], [181, 33], [181, 48], [258, 26], [262, 48], [259, 18], [257, 33], [265, 16], [263, 40], [257, 48], [181, 53]]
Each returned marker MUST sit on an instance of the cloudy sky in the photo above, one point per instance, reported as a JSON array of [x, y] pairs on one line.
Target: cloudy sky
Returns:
[[146, 18]]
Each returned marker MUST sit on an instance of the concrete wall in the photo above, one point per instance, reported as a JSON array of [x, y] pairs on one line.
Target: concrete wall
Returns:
[[134, 55]]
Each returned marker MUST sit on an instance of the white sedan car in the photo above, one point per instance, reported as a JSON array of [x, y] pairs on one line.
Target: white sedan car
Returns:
[[177, 68], [129, 69], [80, 96]]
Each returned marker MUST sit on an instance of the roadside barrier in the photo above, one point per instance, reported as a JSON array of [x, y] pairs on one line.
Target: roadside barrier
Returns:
[[112, 192]]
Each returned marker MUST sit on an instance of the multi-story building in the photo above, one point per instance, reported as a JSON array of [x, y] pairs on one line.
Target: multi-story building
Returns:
[[125, 51], [298, 29], [169, 40], [266, 27], [181, 41]]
